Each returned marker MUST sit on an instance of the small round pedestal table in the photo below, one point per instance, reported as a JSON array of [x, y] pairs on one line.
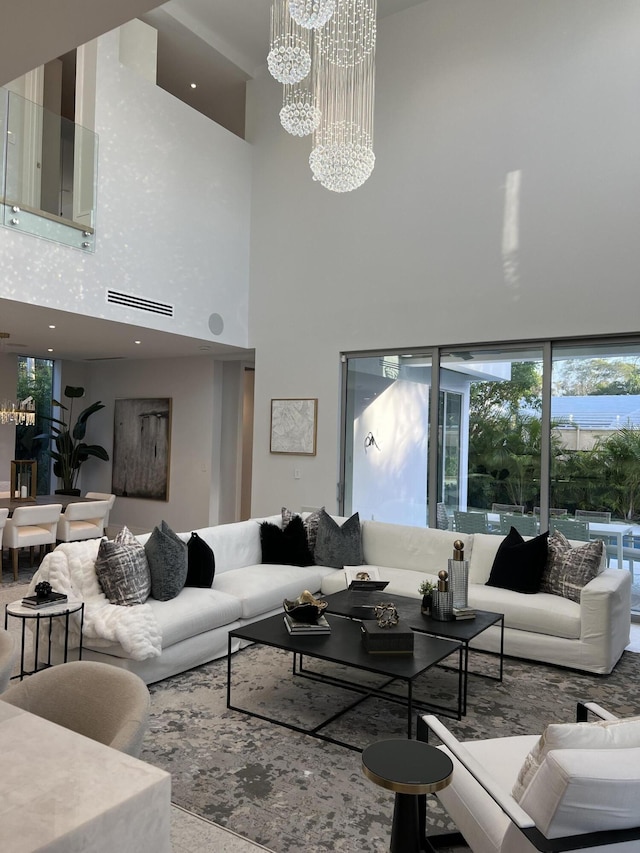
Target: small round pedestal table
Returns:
[[410, 768]]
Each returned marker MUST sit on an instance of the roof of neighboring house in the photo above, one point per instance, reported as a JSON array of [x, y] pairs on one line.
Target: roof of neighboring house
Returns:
[[609, 411]]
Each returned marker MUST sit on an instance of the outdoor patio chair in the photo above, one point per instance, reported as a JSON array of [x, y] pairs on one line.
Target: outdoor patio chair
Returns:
[[593, 515], [471, 522], [527, 525], [507, 508], [576, 789], [554, 511], [442, 517], [578, 530]]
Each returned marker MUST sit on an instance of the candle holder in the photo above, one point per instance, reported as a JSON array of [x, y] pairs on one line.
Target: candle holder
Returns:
[[24, 479]]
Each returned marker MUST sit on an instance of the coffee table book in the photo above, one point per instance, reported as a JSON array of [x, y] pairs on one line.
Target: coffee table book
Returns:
[[397, 639], [37, 603], [321, 626]]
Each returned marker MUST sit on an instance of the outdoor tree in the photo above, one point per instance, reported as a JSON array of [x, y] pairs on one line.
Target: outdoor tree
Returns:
[[580, 377]]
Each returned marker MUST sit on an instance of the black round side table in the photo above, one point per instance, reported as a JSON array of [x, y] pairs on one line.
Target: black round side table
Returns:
[[410, 768]]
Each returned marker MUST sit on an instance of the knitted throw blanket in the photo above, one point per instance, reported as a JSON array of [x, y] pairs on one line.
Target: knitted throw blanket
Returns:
[[70, 569]]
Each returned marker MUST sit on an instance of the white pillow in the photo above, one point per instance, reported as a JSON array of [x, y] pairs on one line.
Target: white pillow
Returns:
[[603, 734]]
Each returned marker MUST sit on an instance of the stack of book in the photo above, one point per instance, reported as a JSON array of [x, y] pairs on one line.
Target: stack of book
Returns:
[[35, 602], [464, 613], [320, 626]]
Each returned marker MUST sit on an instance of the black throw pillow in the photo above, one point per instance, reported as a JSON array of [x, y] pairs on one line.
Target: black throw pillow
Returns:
[[518, 565], [201, 563], [285, 547]]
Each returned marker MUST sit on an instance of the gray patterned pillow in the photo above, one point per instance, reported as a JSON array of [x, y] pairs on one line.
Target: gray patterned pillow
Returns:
[[122, 569], [168, 559], [568, 569], [310, 524], [338, 546]]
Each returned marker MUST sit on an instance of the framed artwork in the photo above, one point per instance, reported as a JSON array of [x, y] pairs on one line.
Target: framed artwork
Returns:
[[294, 424], [141, 448]]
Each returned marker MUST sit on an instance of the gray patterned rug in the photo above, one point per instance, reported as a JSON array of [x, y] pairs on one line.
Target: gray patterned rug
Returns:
[[289, 791]]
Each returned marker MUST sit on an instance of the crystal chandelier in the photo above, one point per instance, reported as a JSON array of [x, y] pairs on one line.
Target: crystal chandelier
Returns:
[[289, 59], [344, 65], [311, 13], [299, 114], [19, 413]]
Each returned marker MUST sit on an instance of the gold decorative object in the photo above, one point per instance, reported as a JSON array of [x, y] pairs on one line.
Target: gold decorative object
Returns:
[[305, 608], [386, 615]]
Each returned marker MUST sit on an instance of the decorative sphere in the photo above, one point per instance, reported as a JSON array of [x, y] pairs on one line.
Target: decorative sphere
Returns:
[[342, 167], [311, 13], [300, 118], [289, 64], [443, 575], [458, 545]]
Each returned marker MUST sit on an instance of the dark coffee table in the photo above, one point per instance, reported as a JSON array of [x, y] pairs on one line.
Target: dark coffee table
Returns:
[[359, 605], [344, 646]]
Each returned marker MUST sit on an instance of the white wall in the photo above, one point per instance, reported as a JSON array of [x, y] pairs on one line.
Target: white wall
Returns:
[[466, 93], [172, 219]]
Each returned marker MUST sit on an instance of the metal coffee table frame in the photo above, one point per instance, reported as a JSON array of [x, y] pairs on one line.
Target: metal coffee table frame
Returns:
[[358, 605], [343, 646]]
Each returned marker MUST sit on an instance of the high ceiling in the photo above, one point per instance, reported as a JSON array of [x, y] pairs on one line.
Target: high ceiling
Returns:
[[219, 44]]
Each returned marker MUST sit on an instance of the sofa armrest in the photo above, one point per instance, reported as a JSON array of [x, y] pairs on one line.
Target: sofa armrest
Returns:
[[584, 708], [604, 602]]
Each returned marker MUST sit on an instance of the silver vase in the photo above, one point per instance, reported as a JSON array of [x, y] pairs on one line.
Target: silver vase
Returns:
[[459, 582], [442, 605]]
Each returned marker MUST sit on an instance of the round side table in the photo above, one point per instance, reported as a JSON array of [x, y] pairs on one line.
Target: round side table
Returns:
[[410, 768], [51, 612]]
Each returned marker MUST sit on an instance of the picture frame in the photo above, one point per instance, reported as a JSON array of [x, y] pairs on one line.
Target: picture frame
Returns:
[[294, 425], [141, 448]]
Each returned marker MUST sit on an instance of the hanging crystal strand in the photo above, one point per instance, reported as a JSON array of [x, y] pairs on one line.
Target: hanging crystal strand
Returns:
[[289, 59], [299, 114], [311, 13], [344, 58]]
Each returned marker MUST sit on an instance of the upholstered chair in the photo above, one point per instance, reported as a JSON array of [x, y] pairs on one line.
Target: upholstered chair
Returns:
[[30, 526], [103, 496], [82, 520], [103, 702]]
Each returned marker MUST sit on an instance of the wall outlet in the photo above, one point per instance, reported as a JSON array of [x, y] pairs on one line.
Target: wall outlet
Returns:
[[296, 474]]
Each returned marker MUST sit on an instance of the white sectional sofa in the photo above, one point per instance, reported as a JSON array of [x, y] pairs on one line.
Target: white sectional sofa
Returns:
[[161, 638]]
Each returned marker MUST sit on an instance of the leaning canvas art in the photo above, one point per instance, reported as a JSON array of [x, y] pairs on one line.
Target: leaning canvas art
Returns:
[[141, 448]]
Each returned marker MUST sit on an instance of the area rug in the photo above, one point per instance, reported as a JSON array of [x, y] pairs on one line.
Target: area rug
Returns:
[[290, 791]]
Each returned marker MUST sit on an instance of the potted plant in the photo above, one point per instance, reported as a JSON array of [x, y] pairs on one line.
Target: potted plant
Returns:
[[70, 449], [425, 589]]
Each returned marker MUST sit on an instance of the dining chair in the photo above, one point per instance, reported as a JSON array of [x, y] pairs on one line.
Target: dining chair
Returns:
[[593, 515], [526, 525], [82, 520], [572, 529], [471, 522], [103, 496], [30, 526], [507, 508]]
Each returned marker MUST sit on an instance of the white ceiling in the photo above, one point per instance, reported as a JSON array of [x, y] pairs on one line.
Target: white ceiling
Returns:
[[218, 43]]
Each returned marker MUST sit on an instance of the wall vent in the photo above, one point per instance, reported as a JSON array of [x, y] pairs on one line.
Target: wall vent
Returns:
[[131, 301], [106, 358]]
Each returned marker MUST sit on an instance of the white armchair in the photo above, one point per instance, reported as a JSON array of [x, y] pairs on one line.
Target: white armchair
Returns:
[[30, 526], [576, 788], [82, 520]]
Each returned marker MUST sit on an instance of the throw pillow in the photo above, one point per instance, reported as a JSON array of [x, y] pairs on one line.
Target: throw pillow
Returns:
[[285, 546], [338, 546], [122, 569], [518, 565], [603, 734], [167, 558], [310, 524], [569, 569], [201, 563]]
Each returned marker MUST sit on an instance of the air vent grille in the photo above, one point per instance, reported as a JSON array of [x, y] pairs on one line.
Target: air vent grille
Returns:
[[140, 304]]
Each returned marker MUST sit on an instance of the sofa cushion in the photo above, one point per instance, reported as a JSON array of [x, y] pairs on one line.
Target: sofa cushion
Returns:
[[122, 569], [285, 546], [519, 564], [540, 614], [194, 611], [167, 558], [236, 544], [261, 589], [421, 549], [604, 734], [569, 569], [338, 545], [201, 562]]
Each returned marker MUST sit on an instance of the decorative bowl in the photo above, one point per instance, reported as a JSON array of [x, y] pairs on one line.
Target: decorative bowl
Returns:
[[305, 608]]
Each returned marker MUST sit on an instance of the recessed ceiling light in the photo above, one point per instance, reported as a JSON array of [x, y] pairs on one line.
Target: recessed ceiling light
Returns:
[[137, 342], [50, 349], [52, 325], [194, 85]]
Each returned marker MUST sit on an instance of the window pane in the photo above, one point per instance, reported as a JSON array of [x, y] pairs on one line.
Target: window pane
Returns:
[[35, 379], [387, 438], [499, 433]]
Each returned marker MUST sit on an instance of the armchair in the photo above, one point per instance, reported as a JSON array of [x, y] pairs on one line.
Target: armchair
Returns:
[[576, 788]]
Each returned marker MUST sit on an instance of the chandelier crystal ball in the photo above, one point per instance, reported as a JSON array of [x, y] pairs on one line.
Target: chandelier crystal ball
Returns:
[[311, 14], [342, 166], [289, 63], [300, 118]]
